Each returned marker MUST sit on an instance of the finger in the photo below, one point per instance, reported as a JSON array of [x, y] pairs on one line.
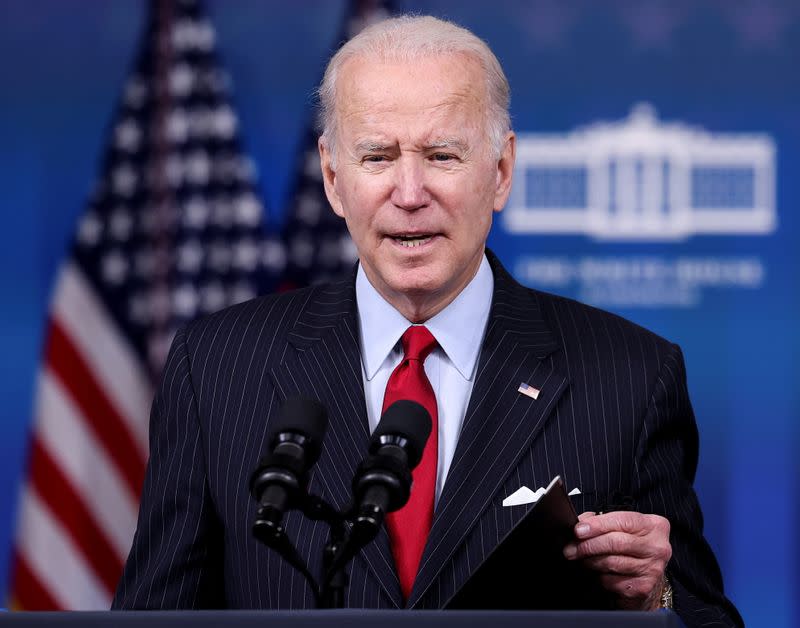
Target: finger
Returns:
[[618, 565], [614, 543], [622, 521], [586, 515]]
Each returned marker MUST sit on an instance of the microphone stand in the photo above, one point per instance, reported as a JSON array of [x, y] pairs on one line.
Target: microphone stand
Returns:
[[341, 547], [331, 593], [272, 534]]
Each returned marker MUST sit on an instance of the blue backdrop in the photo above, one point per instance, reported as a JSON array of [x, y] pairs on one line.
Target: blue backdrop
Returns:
[[726, 69]]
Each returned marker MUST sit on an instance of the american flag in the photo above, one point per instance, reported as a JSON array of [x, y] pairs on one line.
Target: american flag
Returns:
[[318, 244], [173, 230]]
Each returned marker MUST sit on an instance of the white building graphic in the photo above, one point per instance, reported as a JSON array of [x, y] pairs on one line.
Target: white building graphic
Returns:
[[643, 179]]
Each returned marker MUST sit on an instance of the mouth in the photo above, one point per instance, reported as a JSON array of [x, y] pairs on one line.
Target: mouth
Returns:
[[412, 241]]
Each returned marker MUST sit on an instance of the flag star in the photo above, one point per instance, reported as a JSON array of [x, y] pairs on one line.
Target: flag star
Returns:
[[90, 229], [124, 179], [245, 255], [248, 210], [185, 301], [190, 34], [114, 267], [177, 125], [127, 135], [196, 213], [198, 167], [273, 255], [120, 223], [181, 80], [224, 122], [190, 257]]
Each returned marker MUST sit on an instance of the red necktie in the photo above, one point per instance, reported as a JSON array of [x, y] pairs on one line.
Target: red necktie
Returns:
[[409, 526]]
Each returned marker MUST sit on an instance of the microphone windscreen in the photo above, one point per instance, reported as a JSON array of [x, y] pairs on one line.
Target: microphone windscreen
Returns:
[[302, 416], [407, 419]]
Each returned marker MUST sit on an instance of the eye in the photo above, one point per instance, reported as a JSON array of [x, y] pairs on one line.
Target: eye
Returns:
[[374, 159], [442, 157]]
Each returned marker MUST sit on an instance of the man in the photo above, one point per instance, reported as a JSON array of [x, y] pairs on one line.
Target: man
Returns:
[[417, 154]]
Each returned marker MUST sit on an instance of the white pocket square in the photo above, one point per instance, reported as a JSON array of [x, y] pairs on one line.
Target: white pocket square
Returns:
[[523, 495]]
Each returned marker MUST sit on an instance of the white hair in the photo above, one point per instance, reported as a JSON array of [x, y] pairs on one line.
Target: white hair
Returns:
[[408, 38]]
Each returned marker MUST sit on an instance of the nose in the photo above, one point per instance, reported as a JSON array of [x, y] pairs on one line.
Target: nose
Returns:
[[409, 188]]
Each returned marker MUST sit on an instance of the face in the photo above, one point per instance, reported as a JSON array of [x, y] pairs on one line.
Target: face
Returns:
[[415, 175]]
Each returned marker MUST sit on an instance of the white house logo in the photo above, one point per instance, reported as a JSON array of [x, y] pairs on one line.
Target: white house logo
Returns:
[[642, 179]]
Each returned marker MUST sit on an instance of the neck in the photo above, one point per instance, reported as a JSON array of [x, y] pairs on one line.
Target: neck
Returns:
[[418, 306]]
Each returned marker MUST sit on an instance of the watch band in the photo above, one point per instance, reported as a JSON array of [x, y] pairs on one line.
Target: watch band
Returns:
[[666, 593]]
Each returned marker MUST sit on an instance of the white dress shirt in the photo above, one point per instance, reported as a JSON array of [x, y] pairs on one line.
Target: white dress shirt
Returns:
[[451, 367]]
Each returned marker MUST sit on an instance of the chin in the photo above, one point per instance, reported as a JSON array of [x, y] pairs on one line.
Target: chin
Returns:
[[414, 283]]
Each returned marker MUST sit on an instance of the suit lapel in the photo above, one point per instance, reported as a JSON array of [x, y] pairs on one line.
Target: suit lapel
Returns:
[[500, 423], [323, 361]]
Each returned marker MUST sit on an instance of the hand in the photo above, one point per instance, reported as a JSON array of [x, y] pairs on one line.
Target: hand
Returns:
[[629, 550]]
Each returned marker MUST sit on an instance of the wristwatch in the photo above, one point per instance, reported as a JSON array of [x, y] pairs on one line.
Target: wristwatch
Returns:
[[666, 593]]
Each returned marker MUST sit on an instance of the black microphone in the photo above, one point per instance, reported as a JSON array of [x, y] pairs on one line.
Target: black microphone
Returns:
[[382, 483], [295, 441]]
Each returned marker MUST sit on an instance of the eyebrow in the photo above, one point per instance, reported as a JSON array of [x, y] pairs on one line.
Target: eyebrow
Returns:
[[371, 146], [447, 142]]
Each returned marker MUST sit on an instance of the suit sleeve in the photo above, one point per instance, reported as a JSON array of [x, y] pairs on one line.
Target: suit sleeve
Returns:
[[665, 466], [175, 560]]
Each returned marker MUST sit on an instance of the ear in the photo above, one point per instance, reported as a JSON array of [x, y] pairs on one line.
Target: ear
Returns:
[[505, 171], [329, 176]]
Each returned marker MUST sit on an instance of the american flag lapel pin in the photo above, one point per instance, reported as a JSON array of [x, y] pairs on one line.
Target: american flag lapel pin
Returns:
[[530, 391]]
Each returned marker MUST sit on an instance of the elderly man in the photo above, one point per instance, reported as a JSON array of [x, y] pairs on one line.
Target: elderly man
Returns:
[[417, 154]]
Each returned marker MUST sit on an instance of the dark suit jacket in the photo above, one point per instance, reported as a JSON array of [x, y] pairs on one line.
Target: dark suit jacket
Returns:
[[613, 416]]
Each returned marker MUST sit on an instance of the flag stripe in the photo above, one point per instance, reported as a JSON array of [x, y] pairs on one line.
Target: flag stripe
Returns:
[[65, 434], [44, 544], [71, 369], [60, 496], [30, 592], [106, 350]]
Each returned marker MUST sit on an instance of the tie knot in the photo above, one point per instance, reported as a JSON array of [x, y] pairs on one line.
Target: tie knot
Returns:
[[418, 343]]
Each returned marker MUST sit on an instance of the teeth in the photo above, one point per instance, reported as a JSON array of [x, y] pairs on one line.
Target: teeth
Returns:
[[412, 242]]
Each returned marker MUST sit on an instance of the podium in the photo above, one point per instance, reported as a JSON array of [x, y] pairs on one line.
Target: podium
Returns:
[[346, 618]]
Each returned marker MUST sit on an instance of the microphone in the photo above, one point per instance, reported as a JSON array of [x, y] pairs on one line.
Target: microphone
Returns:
[[295, 441], [382, 483]]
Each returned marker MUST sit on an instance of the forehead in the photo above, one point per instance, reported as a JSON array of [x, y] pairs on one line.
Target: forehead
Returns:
[[427, 92]]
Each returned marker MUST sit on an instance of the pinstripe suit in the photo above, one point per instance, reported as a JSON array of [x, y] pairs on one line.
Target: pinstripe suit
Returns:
[[613, 414]]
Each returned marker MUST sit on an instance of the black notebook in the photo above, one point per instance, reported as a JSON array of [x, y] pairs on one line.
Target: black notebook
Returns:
[[527, 569]]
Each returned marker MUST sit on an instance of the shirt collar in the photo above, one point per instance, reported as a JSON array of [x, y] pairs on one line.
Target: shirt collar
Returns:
[[458, 328]]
